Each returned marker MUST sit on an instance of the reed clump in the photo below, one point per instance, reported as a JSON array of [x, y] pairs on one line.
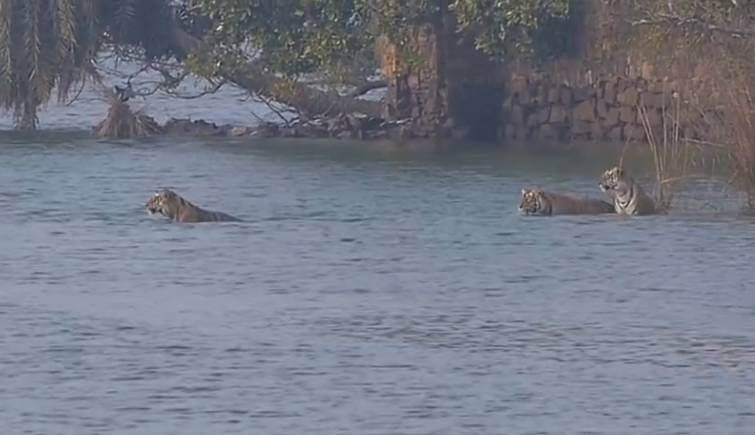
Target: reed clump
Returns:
[[673, 153]]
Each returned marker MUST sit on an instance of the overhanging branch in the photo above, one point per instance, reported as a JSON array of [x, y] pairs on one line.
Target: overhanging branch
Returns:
[[252, 77]]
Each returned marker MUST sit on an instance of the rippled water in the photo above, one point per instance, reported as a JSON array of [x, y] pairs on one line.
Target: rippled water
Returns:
[[370, 290]]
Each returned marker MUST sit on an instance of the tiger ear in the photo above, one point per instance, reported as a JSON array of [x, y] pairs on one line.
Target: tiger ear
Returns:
[[620, 171], [524, 191]]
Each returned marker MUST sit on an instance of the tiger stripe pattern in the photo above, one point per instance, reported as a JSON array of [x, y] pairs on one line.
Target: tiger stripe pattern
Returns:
[[627, 196], [539, 202], [171, 205]]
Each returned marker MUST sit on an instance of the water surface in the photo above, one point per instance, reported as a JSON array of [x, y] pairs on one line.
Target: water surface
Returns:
[[370, 290]]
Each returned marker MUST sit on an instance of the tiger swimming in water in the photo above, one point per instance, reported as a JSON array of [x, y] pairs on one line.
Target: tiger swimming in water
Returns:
[[170, 204], [539, 202], [628, 197]]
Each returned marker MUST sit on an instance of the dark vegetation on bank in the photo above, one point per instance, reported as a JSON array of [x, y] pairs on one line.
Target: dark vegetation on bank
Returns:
[[677, 76], [122, 122]]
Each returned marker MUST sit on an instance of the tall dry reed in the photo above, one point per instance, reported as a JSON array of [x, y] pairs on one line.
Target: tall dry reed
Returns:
[[742, 150], [673, 155]]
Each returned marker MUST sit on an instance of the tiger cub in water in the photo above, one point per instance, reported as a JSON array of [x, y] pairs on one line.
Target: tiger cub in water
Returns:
[[170, 204], [627, 196], [539, 202]]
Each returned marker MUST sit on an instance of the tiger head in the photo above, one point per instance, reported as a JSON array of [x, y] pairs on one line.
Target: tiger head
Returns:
[[165, 202], [533, 201], [613, 181]]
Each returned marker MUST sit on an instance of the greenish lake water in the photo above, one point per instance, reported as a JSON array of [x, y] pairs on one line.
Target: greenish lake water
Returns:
[[370, 290]]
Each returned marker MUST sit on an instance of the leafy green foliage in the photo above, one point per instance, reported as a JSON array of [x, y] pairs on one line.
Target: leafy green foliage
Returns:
[[502, 24], [300, 36], [294, 36]]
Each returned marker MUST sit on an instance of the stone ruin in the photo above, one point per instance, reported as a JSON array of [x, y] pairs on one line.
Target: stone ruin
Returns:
[[608, 110]]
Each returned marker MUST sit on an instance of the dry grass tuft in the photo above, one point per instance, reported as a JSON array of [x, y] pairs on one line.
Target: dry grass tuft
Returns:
[[121, 122]]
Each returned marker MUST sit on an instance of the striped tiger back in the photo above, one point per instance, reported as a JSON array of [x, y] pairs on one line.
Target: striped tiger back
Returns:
[[539, 202]]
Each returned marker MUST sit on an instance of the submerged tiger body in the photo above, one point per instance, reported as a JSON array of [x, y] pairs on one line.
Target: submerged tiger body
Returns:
[[540, 202], [170, 204], [627, 196]]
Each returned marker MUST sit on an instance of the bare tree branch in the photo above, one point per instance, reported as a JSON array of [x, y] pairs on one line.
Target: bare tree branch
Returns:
[[679, 21], [367, 87], [275, 108]]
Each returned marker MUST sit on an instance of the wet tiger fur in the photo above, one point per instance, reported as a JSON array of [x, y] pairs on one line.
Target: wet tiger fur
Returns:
[[170, 204], [538, 202], [627, 196]]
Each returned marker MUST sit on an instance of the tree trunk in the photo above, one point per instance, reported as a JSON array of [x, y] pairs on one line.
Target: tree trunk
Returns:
[[441, 82], [417, 85], [29, 118]]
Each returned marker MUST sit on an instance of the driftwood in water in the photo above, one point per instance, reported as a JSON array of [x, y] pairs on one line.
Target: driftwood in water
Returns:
[[121, 122]]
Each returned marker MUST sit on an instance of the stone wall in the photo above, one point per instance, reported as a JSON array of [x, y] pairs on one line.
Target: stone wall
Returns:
[[539, 108], [595, 91]]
